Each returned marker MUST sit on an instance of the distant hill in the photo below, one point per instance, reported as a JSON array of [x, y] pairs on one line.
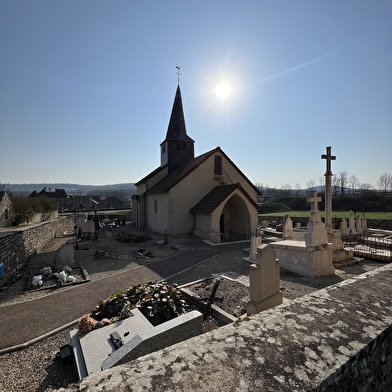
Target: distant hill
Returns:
[[124, 190]]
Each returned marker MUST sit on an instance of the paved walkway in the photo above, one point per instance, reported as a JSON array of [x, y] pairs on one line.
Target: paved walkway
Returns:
[[23, 322]]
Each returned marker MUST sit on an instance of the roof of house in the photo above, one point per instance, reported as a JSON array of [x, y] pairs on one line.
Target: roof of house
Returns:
[[213, 199]]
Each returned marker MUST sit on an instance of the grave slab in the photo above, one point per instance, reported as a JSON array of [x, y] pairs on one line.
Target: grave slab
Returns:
[[95, 350]]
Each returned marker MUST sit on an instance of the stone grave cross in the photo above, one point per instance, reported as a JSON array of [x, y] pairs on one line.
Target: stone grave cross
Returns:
[[314, 201], [328, 190], [315, 231]]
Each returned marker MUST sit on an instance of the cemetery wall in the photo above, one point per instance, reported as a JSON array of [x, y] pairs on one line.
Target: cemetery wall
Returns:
[[383, 224], [18, 246], [335, 339]]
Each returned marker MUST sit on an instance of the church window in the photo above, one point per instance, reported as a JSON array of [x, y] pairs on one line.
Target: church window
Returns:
[[163, 148], [218, 165], [6, 213], [155, 206], [184, 146], [178, 146]]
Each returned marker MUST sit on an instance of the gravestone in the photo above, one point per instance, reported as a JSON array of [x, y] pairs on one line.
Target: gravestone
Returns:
[[65, 257], [96, 351], [358, 225], [255, 242], [312, 257], [343, 227], [264, 279], [315, 235], [351, 224], [288, 228], [364, 223]]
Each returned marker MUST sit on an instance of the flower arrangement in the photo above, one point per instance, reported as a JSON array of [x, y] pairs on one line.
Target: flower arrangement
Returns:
[[158, 301]]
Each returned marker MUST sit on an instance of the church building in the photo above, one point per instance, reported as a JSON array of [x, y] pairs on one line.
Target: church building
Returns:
[[206, 195]]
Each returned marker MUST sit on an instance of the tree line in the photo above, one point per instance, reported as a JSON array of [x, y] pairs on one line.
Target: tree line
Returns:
[[342, 184]]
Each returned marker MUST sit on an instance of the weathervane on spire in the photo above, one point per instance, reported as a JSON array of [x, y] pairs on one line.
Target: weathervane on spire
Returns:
[[178, 73]]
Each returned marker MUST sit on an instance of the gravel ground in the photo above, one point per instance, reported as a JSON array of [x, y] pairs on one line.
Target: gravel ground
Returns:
[[38, 367]]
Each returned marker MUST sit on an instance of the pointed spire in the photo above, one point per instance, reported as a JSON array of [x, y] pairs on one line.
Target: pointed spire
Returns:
[[177, 129], [178, 147]]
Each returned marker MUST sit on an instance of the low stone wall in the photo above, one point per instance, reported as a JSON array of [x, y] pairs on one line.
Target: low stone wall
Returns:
[[335, 339], [383, 224], [18, 246]]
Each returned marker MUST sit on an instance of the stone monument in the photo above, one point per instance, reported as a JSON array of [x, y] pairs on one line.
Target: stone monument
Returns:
[[264, 279], [312, 257], [288, 228]]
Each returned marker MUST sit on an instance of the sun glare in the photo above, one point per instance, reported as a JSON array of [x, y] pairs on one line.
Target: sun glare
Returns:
[[222, 90]]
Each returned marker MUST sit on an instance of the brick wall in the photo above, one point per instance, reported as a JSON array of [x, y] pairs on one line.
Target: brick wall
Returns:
[[18, 246]]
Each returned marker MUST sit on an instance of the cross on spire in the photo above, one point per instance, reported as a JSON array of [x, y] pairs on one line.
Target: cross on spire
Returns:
[[178, 73], [329, 158], [314, 201]]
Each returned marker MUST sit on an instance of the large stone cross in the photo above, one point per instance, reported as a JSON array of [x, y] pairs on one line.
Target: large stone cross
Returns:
[[314, 201], [329, 158], [328, 191]]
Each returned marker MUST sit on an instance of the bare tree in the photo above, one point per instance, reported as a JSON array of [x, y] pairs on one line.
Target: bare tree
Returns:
[[353, 182], [322, 184], [365, 187], [286, 189], [297, 189], [310, 185], [384, 183], [335, 184], [259, 186], [343, 178]]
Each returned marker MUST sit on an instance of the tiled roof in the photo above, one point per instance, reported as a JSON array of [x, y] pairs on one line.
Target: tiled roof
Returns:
[[213, 199], [178, 174]]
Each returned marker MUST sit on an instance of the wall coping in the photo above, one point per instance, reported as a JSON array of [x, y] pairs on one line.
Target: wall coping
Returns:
[[294, 346]]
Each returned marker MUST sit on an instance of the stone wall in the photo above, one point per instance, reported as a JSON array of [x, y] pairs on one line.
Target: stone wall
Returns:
[[335, 339], [383, 224], [18, 246]]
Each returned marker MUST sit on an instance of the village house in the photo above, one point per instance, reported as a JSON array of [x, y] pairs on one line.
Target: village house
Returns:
[[206, 195]]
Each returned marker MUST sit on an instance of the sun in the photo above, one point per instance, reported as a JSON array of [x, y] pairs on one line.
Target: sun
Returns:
[[222, 90]]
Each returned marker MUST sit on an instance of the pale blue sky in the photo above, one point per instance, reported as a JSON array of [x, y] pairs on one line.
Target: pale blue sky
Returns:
[[87, 87]]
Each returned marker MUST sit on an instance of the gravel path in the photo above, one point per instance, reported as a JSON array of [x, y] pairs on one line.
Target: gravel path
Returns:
[[38, 368]]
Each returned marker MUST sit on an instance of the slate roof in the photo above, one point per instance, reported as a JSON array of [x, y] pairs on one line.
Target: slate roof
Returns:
[[177, 129], [180, 173], [213, 199]]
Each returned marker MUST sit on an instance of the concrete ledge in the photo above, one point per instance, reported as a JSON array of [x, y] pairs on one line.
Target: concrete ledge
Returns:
[[337, 338]]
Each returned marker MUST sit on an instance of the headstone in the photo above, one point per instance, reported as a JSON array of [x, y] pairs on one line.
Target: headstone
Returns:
[[264, 224], [343, 227], [358, 225], [255, 242], [364, 223], [95, 351], [288, 228], [316, 234], [264, 279], [351, 224], [65, 256]]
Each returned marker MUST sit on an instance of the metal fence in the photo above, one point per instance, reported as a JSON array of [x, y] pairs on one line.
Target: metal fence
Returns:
[[372, 247]]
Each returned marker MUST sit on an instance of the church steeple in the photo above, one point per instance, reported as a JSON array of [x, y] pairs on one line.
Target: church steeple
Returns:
[[178, 147]]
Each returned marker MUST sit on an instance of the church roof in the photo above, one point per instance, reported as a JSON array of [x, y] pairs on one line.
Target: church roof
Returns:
[[177, 129], [213, 199], [181, 172]]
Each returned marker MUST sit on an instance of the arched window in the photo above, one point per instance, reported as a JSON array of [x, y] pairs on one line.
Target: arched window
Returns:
[[6, 213], [155, 206]]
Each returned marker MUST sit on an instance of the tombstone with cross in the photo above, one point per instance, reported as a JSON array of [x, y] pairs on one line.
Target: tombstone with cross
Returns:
[[315, 235]]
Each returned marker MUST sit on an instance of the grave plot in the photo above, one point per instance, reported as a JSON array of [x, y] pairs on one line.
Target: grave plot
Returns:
[[220, 297], [132, 323], [46, 279]]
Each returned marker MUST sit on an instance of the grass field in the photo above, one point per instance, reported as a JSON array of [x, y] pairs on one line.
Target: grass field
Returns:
[[335, 214]]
